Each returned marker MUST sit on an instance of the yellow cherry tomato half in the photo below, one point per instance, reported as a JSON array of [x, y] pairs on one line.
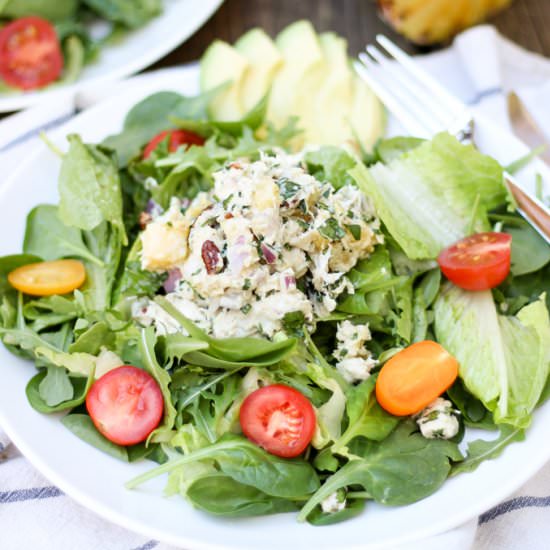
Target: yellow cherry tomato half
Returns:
[[48, 278]]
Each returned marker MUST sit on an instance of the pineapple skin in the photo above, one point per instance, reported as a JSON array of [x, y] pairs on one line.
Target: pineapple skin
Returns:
[[431, 21]]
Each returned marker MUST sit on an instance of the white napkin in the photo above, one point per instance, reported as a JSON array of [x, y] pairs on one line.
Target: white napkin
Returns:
[[479, 68]]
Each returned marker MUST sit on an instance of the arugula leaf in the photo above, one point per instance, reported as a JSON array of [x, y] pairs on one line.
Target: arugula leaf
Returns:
[[365, 417], [146, 346], [55, 387], [80, 388]]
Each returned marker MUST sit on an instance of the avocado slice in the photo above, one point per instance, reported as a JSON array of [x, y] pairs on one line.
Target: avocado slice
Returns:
[[220, 64], [302, 54], [264, 59], [334, 99], [368, 116]]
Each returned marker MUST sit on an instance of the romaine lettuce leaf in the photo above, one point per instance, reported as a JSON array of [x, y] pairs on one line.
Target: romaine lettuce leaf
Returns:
[[504, 360], [433, 195]]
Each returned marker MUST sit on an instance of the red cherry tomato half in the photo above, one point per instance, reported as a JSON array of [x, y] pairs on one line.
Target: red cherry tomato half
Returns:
[[125, 405], [30, 53], [478, 262], [177, 138], [279, 419]]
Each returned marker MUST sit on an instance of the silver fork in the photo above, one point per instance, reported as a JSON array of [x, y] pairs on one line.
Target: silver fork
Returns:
[[424, 108]]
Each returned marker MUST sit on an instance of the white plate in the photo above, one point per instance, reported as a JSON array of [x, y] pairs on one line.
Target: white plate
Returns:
[[140, 48], [96, 480]]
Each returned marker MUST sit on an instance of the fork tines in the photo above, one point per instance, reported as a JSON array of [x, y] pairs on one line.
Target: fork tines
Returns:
[[416, 99]]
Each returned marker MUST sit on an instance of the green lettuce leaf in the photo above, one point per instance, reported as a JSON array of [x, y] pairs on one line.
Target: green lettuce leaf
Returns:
[[433, 195], [507, 359]]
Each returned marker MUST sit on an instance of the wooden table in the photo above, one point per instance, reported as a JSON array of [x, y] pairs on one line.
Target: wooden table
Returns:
[[527, 22]]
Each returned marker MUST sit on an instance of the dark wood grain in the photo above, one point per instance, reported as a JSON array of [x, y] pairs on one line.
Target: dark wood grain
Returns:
[[527, 22]]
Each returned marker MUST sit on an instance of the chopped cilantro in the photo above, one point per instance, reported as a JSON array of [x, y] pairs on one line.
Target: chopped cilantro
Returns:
[[226, 201], [246, 309], [287, 188], [355, 230], [293, 321], [246, 284], [332, 230]]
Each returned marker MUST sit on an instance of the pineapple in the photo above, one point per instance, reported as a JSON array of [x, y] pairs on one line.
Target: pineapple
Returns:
[[432, 21]]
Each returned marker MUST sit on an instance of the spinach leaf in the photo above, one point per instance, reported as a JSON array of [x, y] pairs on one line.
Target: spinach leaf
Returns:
[[223, 496], [530, 252], [247, 463], [89, 188], [402, 469], [353, 509], [481, 450], [48, 237], [228, 352], [83, 427], [79, 385], [472, 409]]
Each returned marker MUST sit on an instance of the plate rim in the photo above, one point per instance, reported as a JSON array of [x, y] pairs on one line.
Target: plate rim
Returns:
[[19, 101], [112, 515]]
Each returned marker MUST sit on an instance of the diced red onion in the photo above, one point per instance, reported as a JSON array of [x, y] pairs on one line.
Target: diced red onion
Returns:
[[268, 254], [290, 280], [174, 276], [154, 208]]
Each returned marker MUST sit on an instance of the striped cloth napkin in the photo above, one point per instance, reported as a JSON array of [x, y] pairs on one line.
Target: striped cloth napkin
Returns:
[[480, 68]]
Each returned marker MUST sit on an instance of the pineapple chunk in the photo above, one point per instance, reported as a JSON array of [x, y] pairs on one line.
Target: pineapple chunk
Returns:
[[431, 21]]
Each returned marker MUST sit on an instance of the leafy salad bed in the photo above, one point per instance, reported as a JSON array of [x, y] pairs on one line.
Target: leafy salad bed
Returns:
[[67, 35], [427, 194]]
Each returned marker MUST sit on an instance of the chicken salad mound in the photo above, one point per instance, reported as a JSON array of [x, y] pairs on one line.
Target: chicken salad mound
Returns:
[[268, 244]]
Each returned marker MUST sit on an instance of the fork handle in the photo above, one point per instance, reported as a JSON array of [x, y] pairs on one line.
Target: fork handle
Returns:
[[536, 214]]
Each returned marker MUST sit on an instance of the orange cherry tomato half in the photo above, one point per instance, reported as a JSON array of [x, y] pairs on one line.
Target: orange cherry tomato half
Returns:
[[176, 139], [125, 405], [478, 262], [48, 278], [279, 419], [30, 53], [415, 377]]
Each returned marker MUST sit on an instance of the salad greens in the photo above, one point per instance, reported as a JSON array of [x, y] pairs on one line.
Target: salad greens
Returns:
[[73, 21], [427, 195]]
